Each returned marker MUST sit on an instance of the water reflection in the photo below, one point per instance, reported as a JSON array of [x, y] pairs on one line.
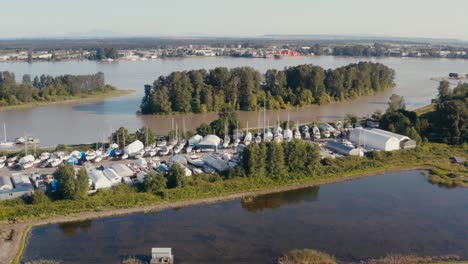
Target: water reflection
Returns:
[[397, 213], [72, 228], [259, 203]]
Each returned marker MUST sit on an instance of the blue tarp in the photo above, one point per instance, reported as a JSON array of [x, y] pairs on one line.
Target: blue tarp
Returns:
[[73, 161], [53, 185], [112, 153], [83, 155]]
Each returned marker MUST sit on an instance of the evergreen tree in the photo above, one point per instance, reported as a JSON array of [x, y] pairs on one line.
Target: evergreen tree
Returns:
[[65, 177], [176, 176]]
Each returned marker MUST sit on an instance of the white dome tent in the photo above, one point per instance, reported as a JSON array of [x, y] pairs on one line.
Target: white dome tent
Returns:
[[370, 139]]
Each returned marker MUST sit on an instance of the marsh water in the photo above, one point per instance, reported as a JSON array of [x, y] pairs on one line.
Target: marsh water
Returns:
[[91, 122], [399, 213]]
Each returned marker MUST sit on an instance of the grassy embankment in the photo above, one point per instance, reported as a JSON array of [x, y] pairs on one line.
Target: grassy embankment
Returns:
[[430, 155], [301, 256], [83, 98]]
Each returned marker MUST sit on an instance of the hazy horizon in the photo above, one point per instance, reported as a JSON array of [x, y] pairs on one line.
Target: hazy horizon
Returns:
[[209, 18]]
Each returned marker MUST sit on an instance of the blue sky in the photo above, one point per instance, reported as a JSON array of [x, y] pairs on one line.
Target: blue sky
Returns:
[[405, 18]]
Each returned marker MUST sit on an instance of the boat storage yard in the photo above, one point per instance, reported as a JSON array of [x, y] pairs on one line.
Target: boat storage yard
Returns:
[[112, 166]]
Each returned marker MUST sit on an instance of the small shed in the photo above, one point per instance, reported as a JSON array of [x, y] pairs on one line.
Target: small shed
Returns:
[[112, 176]]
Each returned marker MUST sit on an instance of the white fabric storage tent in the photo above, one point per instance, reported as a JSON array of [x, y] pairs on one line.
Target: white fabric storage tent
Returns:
[[135, 147], [370, 139], [405, 142], [122, 170], [216, 163], [112, 176], [193, 141], [99, 180], [210, 142]]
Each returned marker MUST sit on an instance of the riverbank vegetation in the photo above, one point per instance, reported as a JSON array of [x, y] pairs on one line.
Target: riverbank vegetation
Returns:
[[310, 256], [245, 88], [46, 89], [173, 189]]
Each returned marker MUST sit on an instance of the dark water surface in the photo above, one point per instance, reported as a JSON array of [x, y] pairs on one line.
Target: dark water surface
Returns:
[[87, 123], [392, 213]]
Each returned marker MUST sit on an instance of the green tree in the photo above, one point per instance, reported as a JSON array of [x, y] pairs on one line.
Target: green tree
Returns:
[[65, 176], [176, 176], [81, 184], [146, 135], [155, 183], [275, 161], [39, 197], [396, 103]]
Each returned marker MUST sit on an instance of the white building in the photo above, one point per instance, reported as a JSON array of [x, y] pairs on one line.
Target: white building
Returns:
[[370, 139], [405, 142]]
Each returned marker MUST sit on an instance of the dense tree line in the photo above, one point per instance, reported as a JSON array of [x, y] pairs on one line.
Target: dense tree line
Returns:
[[245, 88], [46, 88], [280, 160], [105, 53], [448, 123]]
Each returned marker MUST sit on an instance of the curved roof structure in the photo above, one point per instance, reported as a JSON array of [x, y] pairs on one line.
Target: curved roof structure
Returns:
[[210, 140], [374, 140]]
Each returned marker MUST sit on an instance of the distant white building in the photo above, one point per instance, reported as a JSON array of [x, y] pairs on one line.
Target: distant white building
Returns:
[[370, 139]]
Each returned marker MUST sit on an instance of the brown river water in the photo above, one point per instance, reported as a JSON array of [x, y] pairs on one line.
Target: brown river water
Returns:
[[73, 124]]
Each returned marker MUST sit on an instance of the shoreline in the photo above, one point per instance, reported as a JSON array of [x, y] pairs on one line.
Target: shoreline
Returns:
[[21, 230], [87, 99]]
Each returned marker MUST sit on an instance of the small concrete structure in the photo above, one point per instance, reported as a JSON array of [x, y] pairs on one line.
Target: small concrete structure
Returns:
[[161, 255]]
